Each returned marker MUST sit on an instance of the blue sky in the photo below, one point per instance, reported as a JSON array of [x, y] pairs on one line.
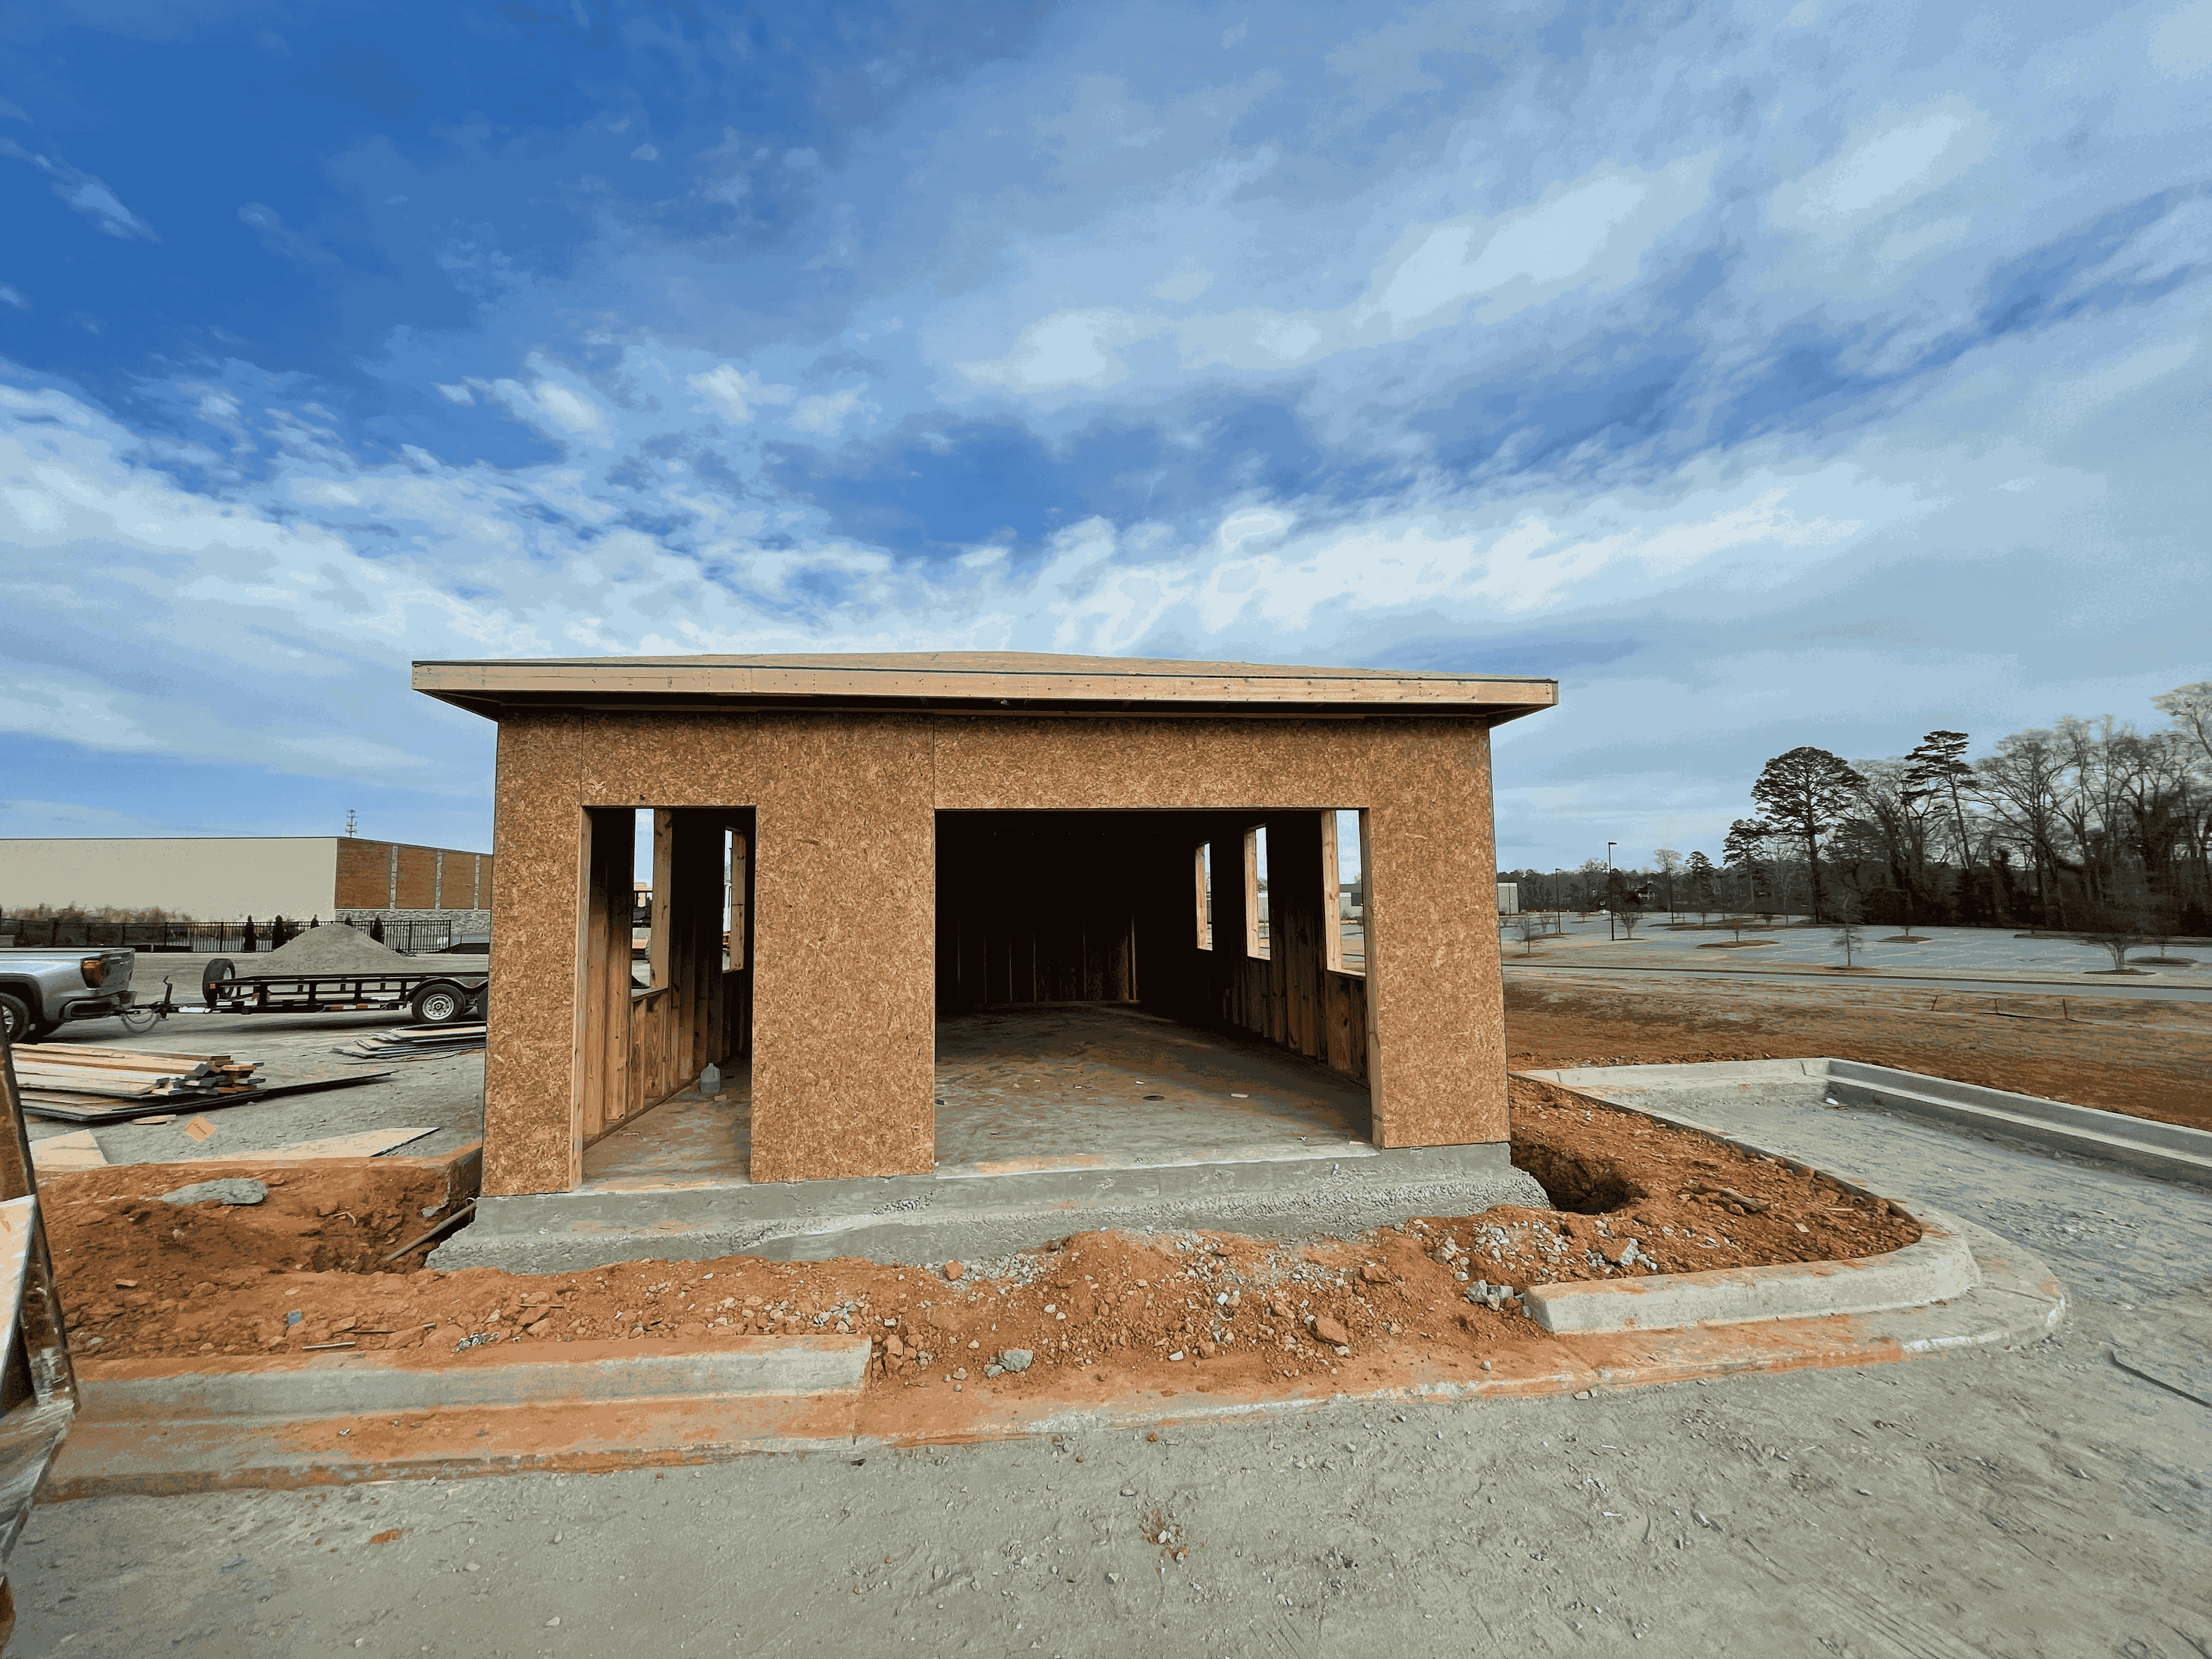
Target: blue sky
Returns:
[[1771, 374]]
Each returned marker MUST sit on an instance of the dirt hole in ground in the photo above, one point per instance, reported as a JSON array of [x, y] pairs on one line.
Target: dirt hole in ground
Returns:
[[1580, 1186]]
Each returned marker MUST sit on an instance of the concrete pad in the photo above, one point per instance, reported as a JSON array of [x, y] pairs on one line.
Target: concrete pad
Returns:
[[971, 1214], [2169, 1152], [1050, 1121]]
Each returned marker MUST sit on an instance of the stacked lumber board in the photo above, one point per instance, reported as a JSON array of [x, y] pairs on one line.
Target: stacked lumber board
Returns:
[[79, 1074], [415, 1043]]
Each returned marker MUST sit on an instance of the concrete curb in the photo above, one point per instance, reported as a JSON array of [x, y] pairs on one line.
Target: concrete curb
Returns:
[[2168, 1152], [1941, 1264], [130, 1441], [2017, 1301], [2087, 983], [335, 1385]]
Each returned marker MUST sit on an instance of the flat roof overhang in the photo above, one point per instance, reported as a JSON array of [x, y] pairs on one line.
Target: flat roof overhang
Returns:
[[975, 682]]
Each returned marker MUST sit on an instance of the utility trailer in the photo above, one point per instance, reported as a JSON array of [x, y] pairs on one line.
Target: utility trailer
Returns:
[[439, 999]]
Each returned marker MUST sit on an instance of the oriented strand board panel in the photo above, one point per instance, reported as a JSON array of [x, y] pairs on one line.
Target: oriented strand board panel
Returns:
[[1438, 1071], [532, 1134], [844, 870], [843, 867]]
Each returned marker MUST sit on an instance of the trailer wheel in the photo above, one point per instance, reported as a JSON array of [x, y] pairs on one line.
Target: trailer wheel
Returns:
[[479, 1003], [214, 975], [442, 1002]]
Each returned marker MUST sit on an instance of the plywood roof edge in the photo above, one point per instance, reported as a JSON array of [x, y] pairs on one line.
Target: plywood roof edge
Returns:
[[980, 665], [1103, 684]]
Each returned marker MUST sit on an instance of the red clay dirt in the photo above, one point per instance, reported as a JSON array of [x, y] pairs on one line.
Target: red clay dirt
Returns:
[[2143, 1059], [1105, 1311]]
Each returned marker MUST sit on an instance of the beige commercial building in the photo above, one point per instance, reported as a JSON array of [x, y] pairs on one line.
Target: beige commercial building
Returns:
[[224, 877]]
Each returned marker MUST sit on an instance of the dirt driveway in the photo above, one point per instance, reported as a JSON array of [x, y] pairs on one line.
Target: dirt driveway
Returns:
[[2148, 1059]]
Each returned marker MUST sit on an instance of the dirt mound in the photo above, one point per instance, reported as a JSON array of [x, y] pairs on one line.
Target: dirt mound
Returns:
[[1212, 1308], [336, 949]]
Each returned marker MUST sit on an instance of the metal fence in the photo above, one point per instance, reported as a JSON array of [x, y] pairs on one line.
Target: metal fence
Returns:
[[196, 938]]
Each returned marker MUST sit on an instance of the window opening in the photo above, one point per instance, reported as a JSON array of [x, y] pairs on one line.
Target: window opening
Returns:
[[1255, 891], [1202, 867], [1344, 894], [648, 926], [735, 854]]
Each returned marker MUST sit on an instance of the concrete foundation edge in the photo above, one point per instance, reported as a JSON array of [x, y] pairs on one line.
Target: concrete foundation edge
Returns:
[[1292, 1200]]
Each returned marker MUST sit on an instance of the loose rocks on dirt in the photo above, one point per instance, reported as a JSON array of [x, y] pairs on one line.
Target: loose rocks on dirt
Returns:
[[235, 1189]]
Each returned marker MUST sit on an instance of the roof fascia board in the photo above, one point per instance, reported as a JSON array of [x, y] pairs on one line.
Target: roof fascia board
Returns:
[[488, 686]]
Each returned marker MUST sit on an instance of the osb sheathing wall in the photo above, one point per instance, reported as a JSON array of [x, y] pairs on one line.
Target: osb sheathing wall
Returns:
[[1290, 996], [843, 1028]]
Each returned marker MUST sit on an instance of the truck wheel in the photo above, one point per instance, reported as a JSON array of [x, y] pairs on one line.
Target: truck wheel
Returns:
[[441, 1003], [14, 1020], [213, 974]]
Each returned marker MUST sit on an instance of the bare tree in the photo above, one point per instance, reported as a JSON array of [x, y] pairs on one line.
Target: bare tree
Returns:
[[2117, 938], [1529, 926], [1671, 865], [1849, 938]]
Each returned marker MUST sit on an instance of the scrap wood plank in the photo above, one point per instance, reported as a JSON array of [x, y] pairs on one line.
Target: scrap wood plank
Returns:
[[100, 1058], [121, 1054], [57, 1153], [86, 1054], [88, 1109], [369, 1143]]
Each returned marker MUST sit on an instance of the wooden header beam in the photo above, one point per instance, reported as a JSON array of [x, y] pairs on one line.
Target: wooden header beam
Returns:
[[975, 682]]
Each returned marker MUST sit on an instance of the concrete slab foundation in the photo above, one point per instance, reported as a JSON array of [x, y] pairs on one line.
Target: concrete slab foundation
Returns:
[[1049, 1121], [970, 1217]]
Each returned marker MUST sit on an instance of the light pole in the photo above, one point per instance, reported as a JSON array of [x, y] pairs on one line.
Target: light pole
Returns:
[[1609, 846]]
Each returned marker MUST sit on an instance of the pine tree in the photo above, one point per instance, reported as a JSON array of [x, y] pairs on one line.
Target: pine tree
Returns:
[[1933, 771], [1805, 795]]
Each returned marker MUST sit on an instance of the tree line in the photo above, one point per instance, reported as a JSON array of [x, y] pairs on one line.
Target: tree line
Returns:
[[2084, 826]]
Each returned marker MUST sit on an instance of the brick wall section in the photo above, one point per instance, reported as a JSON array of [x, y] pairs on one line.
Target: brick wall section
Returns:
[[417, 888], [383, 875], [364, 874]]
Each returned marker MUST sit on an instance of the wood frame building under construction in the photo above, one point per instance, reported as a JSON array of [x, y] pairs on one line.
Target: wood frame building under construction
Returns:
[[844, 848]]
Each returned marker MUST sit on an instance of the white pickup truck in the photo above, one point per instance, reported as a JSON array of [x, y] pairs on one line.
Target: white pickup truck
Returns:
[[41, 989]]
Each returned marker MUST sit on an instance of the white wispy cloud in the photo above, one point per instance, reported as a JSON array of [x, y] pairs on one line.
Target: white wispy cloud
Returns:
[[85, 193]]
